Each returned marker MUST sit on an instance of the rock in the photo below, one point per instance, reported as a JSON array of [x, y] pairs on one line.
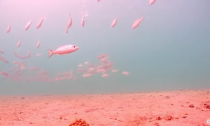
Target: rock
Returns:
[[168, 117], [176, 117], [184, 116], [206, 104], [167, 97], [156, 124], [191, 106], [158, 118], [79, 122]]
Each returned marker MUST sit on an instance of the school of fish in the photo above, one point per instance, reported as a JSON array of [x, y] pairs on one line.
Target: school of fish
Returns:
[[104, 68]]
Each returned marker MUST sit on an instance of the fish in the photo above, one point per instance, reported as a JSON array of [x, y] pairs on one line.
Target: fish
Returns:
[[86, 63], [100, 71], [98, 0], [100, 67], [39, 24], [137, 22], [101, 56], [86, 75], [69, 24], [108, 66], [5, 74], [28, 25], [65, 49], [104, 60], [105, 75], [15, 62], [82, 70], [91, 68], [23, 57], [114, 22], [3, 59], [83, 19], [19, 43], [9, 29], [113, 71], [91, 71], [125, 73], [151, 2], [38, 43], [80, 65], [39, 54]]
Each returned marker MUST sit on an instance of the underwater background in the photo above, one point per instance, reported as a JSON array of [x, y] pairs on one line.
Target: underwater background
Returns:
[[169, 50]]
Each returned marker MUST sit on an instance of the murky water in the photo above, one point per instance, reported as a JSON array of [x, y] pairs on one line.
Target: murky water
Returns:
[[169, 50]]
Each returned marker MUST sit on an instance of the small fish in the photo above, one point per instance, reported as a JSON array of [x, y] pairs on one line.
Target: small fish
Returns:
[[15, 62], [69, 24], [100, 67], [114, 22], [86, 75], [108, 66], [3, 59], [113, 71], [100, 71], [98, 0], [5, 74], [105, 75], [101, 56], [90, 69], [65, 49], [86, 63], [38, 54], [151, 2], [136, 23], [125, 73], [82, 70], [80, 65], [104, 60], [39, 24], [19, 43], [38, 43], [28, 25], [23, 57], [9, 29], [83, 19]]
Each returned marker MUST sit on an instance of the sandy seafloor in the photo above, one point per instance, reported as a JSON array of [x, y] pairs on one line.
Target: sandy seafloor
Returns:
[[174, 108]]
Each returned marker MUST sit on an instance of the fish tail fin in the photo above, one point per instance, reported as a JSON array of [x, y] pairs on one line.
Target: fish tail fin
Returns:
[[50, 53]]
